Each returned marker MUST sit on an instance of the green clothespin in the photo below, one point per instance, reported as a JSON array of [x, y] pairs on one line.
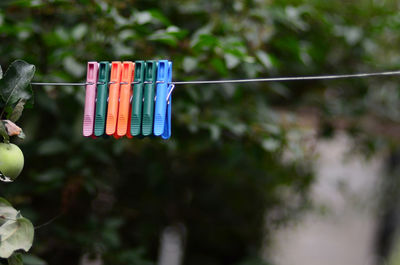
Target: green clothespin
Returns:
[[101, 98], [137, 101], [149, 93]]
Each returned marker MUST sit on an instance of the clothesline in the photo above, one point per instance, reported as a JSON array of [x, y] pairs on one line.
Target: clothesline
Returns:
[[115, 110], [251, 80]]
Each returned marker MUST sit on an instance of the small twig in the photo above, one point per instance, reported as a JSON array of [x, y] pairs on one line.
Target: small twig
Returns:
[[49, 221]]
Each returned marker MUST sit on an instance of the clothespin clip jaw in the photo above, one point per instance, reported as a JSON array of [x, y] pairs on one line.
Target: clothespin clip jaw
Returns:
[[167, 127], [113, 97], [90, 98], [148, 98], [125, 99], [101, 98], [161, 99], [137, 100]]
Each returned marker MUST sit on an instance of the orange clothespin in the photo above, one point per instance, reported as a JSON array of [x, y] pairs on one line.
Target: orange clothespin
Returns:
[[113, 98], [125, 96]]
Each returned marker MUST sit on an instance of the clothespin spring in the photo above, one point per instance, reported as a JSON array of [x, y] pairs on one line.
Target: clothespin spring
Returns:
[[122, 83], [171, 86]]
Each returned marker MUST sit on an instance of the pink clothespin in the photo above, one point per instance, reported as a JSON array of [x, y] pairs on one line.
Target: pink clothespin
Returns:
[[90, 98]]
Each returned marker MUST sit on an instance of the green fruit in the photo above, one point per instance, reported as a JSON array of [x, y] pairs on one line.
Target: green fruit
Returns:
[[11, 160]]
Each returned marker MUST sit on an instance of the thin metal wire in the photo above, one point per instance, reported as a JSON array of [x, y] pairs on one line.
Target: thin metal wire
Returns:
[[282, 79], [58, 84], [269, 79], [90, 83]]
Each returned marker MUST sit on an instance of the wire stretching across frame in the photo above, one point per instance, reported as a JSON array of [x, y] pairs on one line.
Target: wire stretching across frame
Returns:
[[269, 79]]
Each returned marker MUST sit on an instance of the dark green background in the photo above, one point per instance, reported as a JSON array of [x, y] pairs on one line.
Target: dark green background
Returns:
[[223, 175]]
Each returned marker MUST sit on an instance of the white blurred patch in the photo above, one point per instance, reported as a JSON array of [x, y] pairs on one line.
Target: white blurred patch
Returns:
[[171, 246]]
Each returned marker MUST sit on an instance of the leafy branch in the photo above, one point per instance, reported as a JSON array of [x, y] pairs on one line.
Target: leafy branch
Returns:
[[16, 232], [15, 94]]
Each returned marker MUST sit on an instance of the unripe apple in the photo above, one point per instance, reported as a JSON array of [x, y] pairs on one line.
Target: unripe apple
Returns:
[[11, 161]]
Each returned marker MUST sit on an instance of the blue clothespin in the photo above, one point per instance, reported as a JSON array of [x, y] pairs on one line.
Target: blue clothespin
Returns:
[[164, 75], [167, 128]]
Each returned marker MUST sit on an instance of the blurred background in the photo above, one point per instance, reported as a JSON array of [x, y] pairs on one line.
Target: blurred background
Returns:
[[254, 174]]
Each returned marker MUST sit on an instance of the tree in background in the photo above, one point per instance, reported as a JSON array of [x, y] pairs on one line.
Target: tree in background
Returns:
[[238, 163]]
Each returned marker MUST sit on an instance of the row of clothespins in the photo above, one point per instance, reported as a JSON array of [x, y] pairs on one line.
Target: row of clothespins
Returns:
[[128, 99]]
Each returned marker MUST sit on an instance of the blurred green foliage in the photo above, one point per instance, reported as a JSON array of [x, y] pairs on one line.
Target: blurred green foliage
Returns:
[[237, 164]]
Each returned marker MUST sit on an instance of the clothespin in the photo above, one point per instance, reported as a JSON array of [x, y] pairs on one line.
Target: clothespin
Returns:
[[113, 98], [90, 98], [160, 115], [101, 98], [128, 128], [148, 99], [137, 101], [125, 95], [167, 127]]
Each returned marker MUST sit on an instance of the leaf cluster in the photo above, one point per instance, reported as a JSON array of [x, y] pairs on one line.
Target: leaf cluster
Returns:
[[15, 94], [16, 233]]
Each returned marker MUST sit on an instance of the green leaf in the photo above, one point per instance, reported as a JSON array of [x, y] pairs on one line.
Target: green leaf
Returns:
[[1, 73], [3, 132], [231, 60], [219, 65], [29, 259], [79, 31], [4, 202], [15, 235], [15, 259], [264, 59], [7, 212], [168, 36], [204, 41], [157, 15], [17, 111], [15, 85]]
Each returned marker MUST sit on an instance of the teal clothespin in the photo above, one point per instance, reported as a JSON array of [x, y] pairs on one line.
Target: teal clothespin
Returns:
[[148, 99], [137, 100], [101, 98]]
